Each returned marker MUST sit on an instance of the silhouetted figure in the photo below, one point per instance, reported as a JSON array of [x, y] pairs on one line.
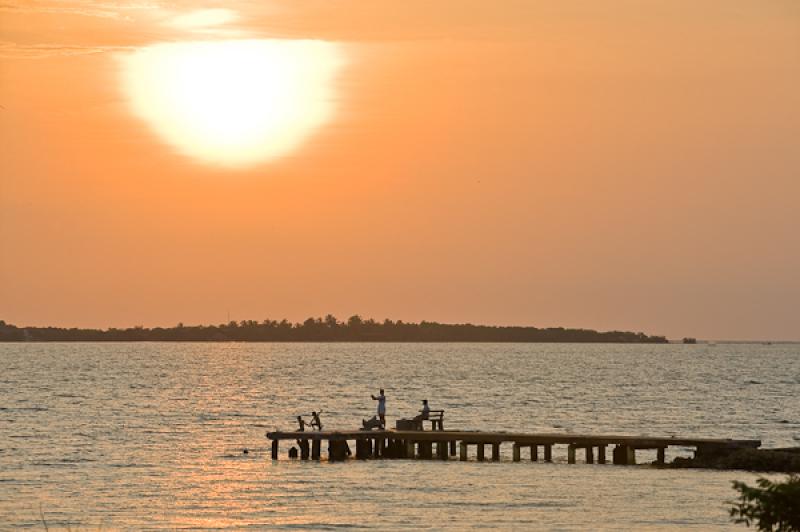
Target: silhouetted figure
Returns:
[[303, 444], [424, 414], [371, 423], [315, 422], [381, 398], [293, 452]]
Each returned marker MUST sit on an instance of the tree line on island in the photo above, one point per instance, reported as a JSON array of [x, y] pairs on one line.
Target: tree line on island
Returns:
[[327, 329]]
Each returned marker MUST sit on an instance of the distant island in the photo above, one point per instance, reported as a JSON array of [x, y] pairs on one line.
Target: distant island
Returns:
[[328, 329]]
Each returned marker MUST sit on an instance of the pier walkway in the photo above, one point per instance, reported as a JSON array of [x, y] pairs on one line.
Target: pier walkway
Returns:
[[443, 444]]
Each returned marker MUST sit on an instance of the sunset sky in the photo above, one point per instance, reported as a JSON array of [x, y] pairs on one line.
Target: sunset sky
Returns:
[[617, 164]]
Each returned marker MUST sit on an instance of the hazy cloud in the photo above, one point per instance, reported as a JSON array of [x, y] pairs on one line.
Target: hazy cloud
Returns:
[[112, 10], [14, 50]]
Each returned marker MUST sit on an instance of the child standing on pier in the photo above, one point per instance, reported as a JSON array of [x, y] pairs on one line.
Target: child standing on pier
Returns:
[[381, 398]]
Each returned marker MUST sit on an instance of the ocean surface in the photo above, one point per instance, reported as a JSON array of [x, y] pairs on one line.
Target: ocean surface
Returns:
[[151, 435]]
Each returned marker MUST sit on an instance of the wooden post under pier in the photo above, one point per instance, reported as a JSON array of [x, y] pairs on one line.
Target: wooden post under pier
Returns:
[[315, 449], [304, 449], [426, 450], [441, 450], [495, 452], [410, 449]]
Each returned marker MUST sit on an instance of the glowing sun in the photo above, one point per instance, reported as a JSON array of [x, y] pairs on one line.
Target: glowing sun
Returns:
[[233, 103]]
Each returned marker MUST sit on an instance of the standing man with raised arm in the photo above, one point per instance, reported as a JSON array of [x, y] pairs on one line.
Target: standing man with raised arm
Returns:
[[381, 398]]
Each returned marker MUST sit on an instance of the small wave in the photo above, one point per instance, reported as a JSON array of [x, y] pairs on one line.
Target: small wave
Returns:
[[55, 464], [323, 526], [76, 460]]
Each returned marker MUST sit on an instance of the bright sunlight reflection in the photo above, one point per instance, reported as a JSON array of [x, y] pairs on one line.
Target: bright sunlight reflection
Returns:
[[233, 103]]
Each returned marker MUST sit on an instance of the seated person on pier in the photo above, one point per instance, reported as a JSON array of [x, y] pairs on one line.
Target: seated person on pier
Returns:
[[315, 422], [437, 419], [424, 414]]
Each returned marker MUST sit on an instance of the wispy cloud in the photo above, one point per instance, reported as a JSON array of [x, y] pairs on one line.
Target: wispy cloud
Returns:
[[14, 50], [109, 10], [204, 18]]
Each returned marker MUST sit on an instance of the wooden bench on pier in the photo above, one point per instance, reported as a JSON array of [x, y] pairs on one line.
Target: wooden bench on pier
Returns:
[[436, 417]]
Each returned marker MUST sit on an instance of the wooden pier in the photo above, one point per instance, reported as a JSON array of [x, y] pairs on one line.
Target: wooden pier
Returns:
[[444, 444]]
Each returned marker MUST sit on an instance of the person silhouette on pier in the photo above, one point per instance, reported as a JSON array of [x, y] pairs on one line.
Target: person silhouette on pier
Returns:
[[315, 422], [302, 443], [381, 398], [424, 414]]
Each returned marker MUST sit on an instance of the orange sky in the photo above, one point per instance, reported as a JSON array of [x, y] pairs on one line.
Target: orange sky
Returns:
[[602, 164]]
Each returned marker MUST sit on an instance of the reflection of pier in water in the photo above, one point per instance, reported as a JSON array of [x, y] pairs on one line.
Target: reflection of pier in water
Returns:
[[443, 444]]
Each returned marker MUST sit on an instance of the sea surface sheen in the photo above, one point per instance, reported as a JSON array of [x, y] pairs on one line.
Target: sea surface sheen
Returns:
[[151, 435]]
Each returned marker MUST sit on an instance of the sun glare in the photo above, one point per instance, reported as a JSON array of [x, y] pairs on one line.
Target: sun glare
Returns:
[[233, 103]]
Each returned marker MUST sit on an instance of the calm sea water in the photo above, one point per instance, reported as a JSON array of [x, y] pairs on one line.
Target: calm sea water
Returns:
[[150, 435]]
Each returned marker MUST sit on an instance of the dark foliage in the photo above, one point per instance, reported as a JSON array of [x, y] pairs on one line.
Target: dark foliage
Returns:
[[770, 506], [327, 329]]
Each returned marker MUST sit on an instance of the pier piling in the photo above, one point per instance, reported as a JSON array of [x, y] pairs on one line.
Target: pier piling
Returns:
[[441, 450], [315, 449], [495, 452]]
